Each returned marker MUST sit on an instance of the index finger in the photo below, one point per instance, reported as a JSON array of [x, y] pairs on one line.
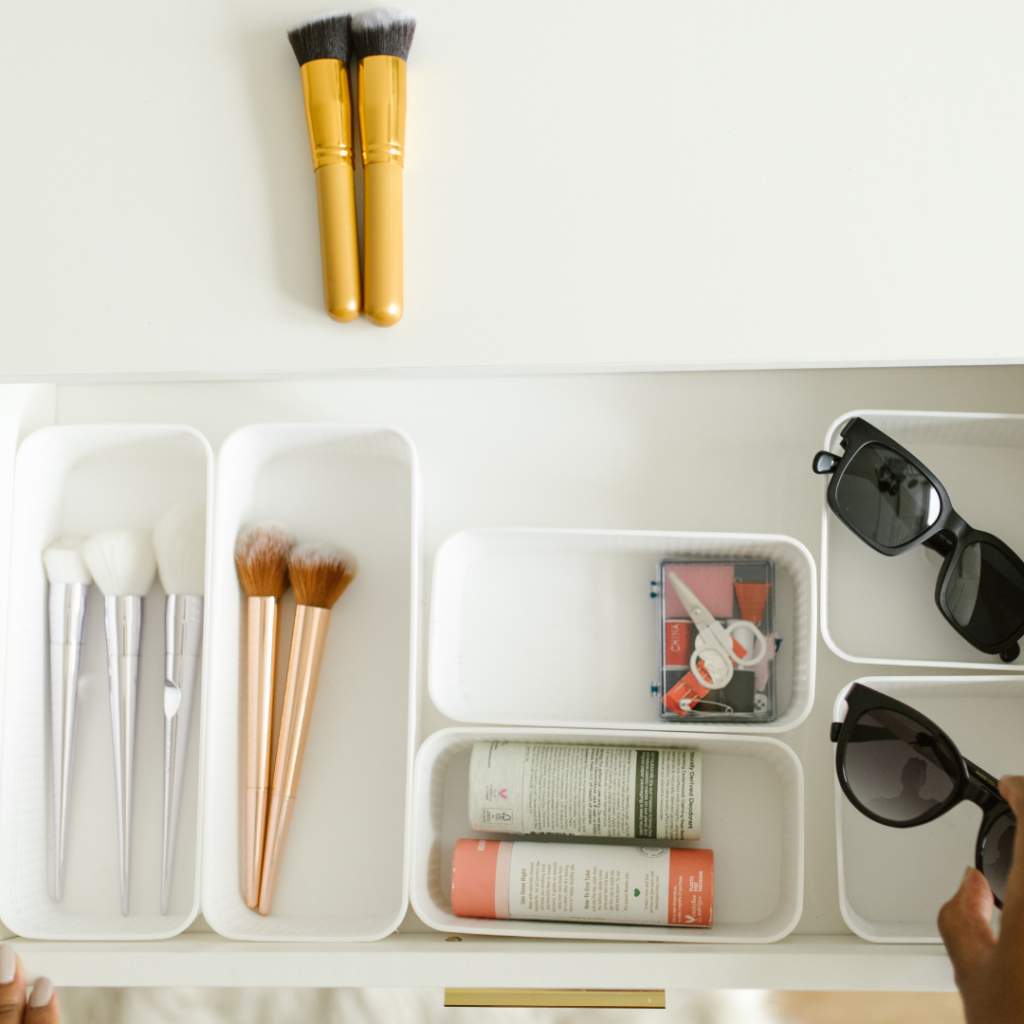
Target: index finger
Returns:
[[1012, 789]]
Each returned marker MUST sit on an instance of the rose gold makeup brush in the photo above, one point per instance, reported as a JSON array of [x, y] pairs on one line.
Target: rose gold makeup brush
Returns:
[[319, 573], [261, 558]]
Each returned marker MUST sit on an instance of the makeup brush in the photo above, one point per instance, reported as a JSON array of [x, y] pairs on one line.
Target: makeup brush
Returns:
[[123, 564], [69, 590], [261, 559], [381, 39], [321, 47], [179, 539], [319, 573]]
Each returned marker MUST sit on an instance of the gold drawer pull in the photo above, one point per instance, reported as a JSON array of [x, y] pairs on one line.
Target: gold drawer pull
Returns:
[[637, 999]]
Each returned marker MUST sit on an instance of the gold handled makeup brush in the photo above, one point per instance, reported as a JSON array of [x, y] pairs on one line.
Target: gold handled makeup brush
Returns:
[[319, 574], [261, 559], [321, 48], [381, 39]]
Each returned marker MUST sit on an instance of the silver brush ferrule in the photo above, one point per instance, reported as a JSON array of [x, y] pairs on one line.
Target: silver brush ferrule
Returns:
[[183, 640], [123, 622], [67, 603]]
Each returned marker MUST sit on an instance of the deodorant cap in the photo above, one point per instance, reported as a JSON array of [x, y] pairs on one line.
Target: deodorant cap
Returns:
[[480, 878]]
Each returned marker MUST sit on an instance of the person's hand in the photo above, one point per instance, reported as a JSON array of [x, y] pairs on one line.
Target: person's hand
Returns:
[[989, 971], [41, 1007]]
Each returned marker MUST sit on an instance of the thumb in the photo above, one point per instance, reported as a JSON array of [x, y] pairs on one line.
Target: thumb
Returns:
[[964, 926]]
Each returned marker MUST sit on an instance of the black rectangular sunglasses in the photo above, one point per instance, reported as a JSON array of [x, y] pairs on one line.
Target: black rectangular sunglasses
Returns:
[[893, 502], [900, 769]]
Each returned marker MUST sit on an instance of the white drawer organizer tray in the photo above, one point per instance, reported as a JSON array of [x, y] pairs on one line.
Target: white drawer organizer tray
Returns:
[[752, 817], [879, 610], [344, 875], [80, 480], [557, 627], [892, 881]]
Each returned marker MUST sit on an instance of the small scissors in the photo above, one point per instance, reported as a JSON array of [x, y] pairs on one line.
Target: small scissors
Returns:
[[715, 648]]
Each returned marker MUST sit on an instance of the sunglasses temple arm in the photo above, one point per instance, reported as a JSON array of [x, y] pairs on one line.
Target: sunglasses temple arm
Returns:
[[982, 777]]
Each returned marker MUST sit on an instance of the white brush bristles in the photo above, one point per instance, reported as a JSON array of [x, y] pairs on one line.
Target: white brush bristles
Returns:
[[64, 563], [179, 539], [122, 562]]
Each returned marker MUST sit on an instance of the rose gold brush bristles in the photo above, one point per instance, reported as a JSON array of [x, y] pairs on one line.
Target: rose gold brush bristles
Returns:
[[261, 559], [320, 573]]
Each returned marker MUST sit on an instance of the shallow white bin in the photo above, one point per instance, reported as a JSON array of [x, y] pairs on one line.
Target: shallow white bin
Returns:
[[344, 871], [80, 480], [752, 817], [880, 610], [557, 627], [892, 881]]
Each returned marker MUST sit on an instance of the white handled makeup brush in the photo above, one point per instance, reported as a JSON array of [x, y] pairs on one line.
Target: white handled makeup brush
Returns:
[[69, 590], [179, 538], [123, 564]]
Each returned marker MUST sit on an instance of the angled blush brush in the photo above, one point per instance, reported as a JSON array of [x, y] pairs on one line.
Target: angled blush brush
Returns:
[[321, 47], [320, 574], [179, 539], [381, 38], [261, 560], [69, 579], [123, 565]]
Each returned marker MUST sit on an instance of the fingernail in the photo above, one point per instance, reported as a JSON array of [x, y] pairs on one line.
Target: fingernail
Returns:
[[42, 993], [8, 963]]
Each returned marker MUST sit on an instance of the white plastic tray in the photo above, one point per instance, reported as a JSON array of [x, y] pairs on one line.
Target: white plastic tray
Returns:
[[879, 610], [344, 871], [79, 480], [752, 817], [892, 881], [557, 628]]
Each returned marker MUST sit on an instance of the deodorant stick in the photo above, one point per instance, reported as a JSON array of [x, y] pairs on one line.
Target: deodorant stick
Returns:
[[576, 790], [652, 885]]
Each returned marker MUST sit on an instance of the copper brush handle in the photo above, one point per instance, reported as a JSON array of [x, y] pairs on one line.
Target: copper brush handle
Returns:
[[261, 662], [329, 121], [308, 637]]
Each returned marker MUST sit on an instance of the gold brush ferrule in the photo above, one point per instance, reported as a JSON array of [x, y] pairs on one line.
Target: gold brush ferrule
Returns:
[[328, 111], [329, 121], [382, 109], [382, 126]]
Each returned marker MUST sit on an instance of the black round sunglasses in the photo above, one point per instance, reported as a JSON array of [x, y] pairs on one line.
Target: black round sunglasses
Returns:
[[899, 768], [893, 502]]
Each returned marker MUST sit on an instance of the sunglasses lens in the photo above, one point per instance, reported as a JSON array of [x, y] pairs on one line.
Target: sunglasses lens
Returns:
[[896, 768], [985, 594], [997, 853], [885, 498]]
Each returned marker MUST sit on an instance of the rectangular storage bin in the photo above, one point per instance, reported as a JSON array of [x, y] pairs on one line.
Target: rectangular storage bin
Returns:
[[344, 869], [558, 627], [881, 610], [752, 817], [80, 480], [892, 881]]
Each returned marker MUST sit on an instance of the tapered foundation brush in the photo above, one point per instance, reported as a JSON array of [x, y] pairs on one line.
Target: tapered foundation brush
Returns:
[[320, 574], [179, 539], [123, 564], [322, 48], [69, 578], [381, 39], [261, 560]]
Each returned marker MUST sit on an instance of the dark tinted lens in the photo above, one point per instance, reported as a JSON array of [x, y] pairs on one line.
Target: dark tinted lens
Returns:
[[896, 768], [985, 594], [997, 853], [886, 498]]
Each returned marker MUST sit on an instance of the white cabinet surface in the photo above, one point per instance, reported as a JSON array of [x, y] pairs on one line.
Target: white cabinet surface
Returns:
[[693, 185]]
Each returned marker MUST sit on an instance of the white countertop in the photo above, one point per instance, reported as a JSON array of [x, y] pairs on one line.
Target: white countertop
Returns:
[[722, 185]]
